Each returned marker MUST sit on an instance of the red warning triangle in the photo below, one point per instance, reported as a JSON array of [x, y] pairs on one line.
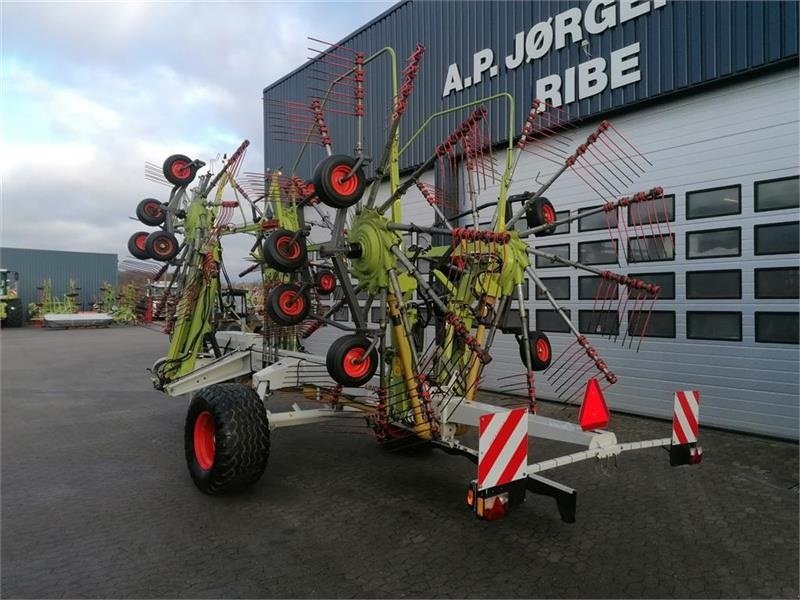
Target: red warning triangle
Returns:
[[594, 412]]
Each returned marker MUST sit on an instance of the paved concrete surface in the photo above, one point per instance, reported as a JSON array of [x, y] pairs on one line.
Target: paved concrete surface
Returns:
[[97, 502]]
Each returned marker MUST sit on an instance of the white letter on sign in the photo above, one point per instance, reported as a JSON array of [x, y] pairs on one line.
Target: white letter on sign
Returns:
[[625, 66], [539, 40], [568, 23], [592, 78], [481, 62], [453, 81], [515, 60], [548, 89], [569, 85], [630, 9], [608, 16]]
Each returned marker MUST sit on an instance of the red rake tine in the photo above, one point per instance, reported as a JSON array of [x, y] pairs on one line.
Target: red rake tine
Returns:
[[565, 369], [332, 45], [647, 322], [601, 180], [625, 153], [635, 149], [608, 143], [555, 161], [605, 161]]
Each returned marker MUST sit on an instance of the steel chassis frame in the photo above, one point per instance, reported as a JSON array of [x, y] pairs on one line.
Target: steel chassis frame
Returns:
[[287, 369]]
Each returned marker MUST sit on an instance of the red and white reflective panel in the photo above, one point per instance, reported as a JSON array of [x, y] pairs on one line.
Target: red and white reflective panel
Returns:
[[502, 447], [685, 418]]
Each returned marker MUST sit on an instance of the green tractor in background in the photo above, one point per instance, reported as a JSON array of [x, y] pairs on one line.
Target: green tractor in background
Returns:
[[11, 313]]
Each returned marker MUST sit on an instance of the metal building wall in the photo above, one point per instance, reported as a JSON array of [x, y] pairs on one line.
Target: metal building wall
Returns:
[[701, 136], [683, 45], [694, 143], [89, 269]]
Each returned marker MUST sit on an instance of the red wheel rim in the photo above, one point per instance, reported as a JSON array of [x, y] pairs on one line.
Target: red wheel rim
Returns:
[[180, 169], [342, 186], [205, 441], [140, 241], [351, 365], [549, 213], [542, 350], [163, 246], [327, 283], [288, 247], [153, 209], [291, 303]]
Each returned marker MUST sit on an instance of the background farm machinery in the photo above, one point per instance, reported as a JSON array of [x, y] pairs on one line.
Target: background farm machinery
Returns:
[[437, 294], [11, 310]]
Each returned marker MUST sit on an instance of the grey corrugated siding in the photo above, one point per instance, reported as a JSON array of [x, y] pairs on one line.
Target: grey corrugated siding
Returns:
[[683, 45], [89, 269]]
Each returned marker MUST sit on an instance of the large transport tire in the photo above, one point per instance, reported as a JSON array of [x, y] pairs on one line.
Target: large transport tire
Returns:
[[284, 252], [285, 306], [226, 438], [331, 187], [179, 169], [162, 245], [346, 361], [541, 350], [137, 245], [14, 313], [151, 212], [541, 213]]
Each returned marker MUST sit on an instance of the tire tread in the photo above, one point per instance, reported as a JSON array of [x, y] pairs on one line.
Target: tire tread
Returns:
[[242, 434]]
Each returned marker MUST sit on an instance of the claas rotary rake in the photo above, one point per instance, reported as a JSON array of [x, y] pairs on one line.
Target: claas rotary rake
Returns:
[[436, 296]]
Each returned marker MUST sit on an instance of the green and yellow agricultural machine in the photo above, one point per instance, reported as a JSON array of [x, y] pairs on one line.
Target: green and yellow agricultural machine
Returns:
[[11, 310], [426, 301]]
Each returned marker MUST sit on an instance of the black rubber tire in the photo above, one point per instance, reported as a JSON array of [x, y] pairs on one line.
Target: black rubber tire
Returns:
[[322, 279], [162, 245], [137, 250], [151, 212], [15, 314], [540, 359], [280, 311], [284, 253], [541, 213], [337, 356], [176, 175], [241, 437], [329, 172]]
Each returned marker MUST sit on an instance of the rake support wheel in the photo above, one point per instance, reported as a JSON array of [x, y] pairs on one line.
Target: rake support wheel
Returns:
[[541, 350], [325, 281], [335, 186], [348, 363], [541, 213], [162, 245], [137, 245], [287, 305], [226, 438], [179, 169], [151, 212], [285, 251]]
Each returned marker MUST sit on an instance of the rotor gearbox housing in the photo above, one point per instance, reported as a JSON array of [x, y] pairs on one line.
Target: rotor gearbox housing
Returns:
[[370, 231]]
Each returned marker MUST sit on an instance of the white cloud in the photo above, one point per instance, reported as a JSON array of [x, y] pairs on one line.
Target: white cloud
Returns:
[[93, 90]]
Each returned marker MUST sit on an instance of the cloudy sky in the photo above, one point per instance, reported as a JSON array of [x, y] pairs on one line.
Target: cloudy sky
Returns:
[[90, 91]]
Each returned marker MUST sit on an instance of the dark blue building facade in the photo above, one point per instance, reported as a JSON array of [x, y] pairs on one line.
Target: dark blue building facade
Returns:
[[592, 58]]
